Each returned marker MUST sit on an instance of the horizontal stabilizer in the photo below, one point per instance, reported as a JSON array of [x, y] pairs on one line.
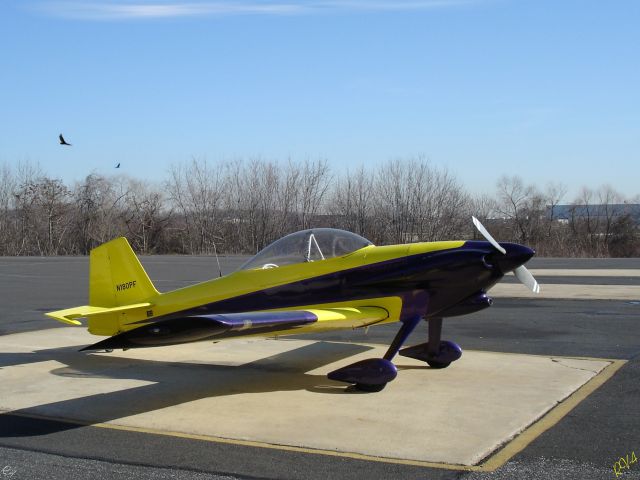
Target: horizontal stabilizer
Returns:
[[69, 315]]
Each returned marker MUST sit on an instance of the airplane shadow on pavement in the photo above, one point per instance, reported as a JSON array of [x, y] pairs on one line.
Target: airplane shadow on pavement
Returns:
[[173, 383]]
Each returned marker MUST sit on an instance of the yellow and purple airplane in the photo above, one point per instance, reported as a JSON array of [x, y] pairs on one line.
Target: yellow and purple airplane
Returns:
[[309, 281]]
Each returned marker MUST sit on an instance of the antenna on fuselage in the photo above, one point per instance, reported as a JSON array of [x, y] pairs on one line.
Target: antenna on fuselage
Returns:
[[215, 252]]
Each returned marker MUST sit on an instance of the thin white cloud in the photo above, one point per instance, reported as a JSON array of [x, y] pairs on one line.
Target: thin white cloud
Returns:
[[382, 5], [121, 10]]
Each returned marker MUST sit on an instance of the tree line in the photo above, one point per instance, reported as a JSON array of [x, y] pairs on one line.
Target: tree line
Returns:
[[239, 207]]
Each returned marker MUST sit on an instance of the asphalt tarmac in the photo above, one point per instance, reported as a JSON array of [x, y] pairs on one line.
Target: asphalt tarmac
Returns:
[[584, 444]]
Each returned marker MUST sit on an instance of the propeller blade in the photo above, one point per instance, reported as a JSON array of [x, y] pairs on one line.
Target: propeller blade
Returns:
[[527, 279], [483, 231]]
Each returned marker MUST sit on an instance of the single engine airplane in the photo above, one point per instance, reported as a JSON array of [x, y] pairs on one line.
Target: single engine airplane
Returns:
[[309, 281]]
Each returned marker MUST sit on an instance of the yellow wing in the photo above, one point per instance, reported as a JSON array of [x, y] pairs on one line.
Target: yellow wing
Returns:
[[218, 326]]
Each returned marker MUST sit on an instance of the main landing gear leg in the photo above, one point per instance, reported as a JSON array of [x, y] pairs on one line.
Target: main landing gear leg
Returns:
[[373, 374], [436, 352], [407, 327], [435, 335]]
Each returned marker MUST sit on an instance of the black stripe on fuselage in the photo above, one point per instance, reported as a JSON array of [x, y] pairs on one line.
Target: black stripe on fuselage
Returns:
[[449, 276]]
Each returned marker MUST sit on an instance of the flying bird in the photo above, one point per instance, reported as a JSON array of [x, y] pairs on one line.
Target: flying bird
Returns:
[[62, 140], [118, 165]]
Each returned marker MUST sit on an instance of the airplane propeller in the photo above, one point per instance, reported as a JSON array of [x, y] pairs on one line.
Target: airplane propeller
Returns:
[[520, 272], [527, 279], [484, 232]]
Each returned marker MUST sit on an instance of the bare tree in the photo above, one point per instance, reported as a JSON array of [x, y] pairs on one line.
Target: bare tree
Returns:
[[483, 207], [445, 205], [584, 223], [554, 242], [197, 191], [314, 182], [52, 197], [522, 206], [240, 206], [624, 237], [286, 198], [609, 201], [41, 207], [8, 186], [145, 217], [98, 202], [414, 201], [391, 203], [350, 202]]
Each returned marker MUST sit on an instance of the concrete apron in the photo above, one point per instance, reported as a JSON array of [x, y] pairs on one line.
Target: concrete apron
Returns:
[[275, 392], [568, 292]]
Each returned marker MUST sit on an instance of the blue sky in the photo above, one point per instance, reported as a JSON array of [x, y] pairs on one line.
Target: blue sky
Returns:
[[548, 90]]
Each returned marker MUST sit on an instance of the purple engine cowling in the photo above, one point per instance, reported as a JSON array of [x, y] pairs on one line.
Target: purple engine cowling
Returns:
[[474, 303]]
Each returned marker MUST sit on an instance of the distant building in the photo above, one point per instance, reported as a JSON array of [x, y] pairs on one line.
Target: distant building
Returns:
[[564, 213]]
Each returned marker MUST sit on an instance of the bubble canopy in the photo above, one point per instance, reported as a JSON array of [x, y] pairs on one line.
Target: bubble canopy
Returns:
[[307, 246]]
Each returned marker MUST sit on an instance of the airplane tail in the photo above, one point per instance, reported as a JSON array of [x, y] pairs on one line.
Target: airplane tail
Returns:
[[116, 277], [119, 290]]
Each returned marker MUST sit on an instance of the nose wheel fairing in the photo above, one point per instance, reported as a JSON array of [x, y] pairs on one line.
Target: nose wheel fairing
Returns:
[[447, 352], [436, 352]]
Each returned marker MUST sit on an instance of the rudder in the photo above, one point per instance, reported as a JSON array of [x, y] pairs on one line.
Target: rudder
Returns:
[[116, 276]]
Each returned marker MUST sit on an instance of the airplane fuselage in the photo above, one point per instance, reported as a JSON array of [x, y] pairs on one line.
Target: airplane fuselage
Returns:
[[455, 275]]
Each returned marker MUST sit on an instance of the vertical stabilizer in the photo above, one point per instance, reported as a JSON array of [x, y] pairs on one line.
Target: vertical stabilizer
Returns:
[[116, 277]]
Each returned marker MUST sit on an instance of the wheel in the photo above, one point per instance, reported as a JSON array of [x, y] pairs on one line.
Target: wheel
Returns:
[[366, 387], [434, 364]]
